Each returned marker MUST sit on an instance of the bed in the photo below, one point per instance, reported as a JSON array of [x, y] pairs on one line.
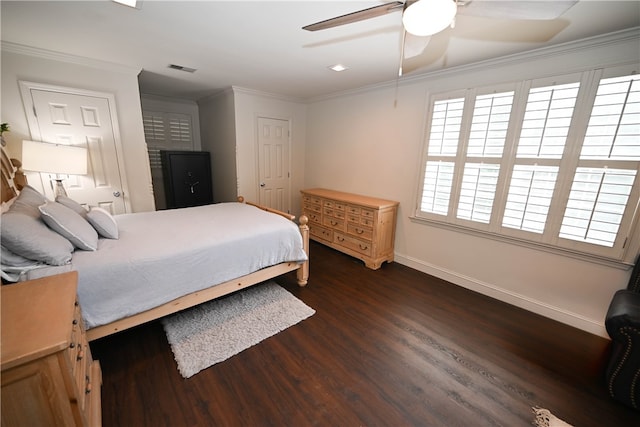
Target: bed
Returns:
[[147, 265]]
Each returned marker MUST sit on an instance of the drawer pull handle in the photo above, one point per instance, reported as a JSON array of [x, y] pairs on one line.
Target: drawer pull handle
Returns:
[[87, 388], [80, 355], [75, 321], [364, 247], [72, 345], [340, 239], [359, 230], [334, 223]]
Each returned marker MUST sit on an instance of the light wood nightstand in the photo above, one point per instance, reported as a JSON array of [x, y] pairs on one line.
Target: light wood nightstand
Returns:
[[48, 375]]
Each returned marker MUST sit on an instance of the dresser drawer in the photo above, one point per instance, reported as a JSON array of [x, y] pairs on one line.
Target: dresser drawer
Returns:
[[353, 218], [312, 199], [335, 213], [353, 210], [313, 216], [367, 221], [353, 243], [321, 233], [82, 375], [359, 231], [333, 222], [312, 207], [332, 204], [81, 357], [93, 407], [367, 213], [75, 343]]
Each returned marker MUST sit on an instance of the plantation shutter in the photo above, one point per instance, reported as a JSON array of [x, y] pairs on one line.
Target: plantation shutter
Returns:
[[541, 144], [608, 164]]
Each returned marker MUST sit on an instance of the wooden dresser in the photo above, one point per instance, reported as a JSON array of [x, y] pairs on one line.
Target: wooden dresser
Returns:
[[48, 375], [363, 227]]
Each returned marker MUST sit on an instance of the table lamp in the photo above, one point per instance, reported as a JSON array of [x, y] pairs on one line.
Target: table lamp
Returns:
[[59, 159]]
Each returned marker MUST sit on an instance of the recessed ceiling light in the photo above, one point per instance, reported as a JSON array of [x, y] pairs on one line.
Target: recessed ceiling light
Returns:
[[338, 67], [182, 68]]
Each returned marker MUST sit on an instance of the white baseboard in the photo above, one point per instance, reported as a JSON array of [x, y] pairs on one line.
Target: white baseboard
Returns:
[[518, 300]]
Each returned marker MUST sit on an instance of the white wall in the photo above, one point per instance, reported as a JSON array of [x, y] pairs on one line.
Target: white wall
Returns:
[[62, 70], [218, 127], [363, 142], [249, 105]]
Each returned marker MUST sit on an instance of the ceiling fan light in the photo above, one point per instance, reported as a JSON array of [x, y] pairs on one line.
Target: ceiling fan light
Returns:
[[427, 17]]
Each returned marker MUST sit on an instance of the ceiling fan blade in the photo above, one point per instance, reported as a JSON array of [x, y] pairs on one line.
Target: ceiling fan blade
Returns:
[[533, 10], [414, 45], [360, 15]]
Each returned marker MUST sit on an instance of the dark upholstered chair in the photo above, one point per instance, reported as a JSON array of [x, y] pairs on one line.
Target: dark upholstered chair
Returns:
[[623, 325]]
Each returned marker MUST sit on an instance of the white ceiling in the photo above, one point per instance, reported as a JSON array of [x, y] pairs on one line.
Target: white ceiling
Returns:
[[260, 44]]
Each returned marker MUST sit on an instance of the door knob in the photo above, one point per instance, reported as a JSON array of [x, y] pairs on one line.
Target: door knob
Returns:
[[262, 184], [116, 194]]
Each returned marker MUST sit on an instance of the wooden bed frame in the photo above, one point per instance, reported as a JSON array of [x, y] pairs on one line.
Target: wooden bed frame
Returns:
[[13, 180]]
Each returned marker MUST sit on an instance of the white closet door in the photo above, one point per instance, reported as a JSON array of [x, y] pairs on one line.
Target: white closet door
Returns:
[[274, 163], [87, 119]]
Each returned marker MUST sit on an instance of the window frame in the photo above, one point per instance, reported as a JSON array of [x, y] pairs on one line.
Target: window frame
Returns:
[[626, 243]]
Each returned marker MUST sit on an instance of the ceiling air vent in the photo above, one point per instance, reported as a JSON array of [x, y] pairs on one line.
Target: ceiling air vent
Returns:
[[182, 68]]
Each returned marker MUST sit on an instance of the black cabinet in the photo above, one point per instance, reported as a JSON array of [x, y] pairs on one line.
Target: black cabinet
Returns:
[[187, 178]]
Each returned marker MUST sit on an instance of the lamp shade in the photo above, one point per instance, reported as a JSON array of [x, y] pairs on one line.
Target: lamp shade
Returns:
[[427, 17], [54, 158]]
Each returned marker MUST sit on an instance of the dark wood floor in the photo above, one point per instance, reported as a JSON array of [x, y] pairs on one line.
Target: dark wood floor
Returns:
[[392, 347]]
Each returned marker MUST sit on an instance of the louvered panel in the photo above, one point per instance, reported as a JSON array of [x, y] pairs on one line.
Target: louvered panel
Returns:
[[180, 130], [529, 197], [489, 125], [546, 121], [477, 192], [436, 192], [614, 126], [153, 128], [154, 158], [445, 127], [596, 205]]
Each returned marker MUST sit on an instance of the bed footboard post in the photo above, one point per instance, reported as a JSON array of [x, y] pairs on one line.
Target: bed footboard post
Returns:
[[303, 272]]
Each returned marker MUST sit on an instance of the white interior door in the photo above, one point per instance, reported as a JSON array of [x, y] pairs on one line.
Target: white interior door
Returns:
[[274, 164], [87, 119]]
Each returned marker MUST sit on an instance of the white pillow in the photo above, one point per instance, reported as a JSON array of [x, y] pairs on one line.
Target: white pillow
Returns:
[[103, 222], [73, 205], [14, 260], [29, 237], [24, 233], [70, 225], [28, 201]]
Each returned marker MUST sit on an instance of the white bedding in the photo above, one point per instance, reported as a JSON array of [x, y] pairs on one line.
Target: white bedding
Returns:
[[163, 255]]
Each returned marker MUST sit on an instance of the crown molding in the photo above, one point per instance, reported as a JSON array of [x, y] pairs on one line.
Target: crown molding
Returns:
[[255, 92], [71, 59], [559, 50]]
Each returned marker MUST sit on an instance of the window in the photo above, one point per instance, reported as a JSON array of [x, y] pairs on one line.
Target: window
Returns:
[[166, 131], [553, 162]]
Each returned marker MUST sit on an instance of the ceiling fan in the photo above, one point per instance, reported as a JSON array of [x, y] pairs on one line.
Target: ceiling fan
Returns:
[[423, 18]]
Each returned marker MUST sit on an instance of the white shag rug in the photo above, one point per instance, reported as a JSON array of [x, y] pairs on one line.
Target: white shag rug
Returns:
[[216, 330], [544, 418]]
